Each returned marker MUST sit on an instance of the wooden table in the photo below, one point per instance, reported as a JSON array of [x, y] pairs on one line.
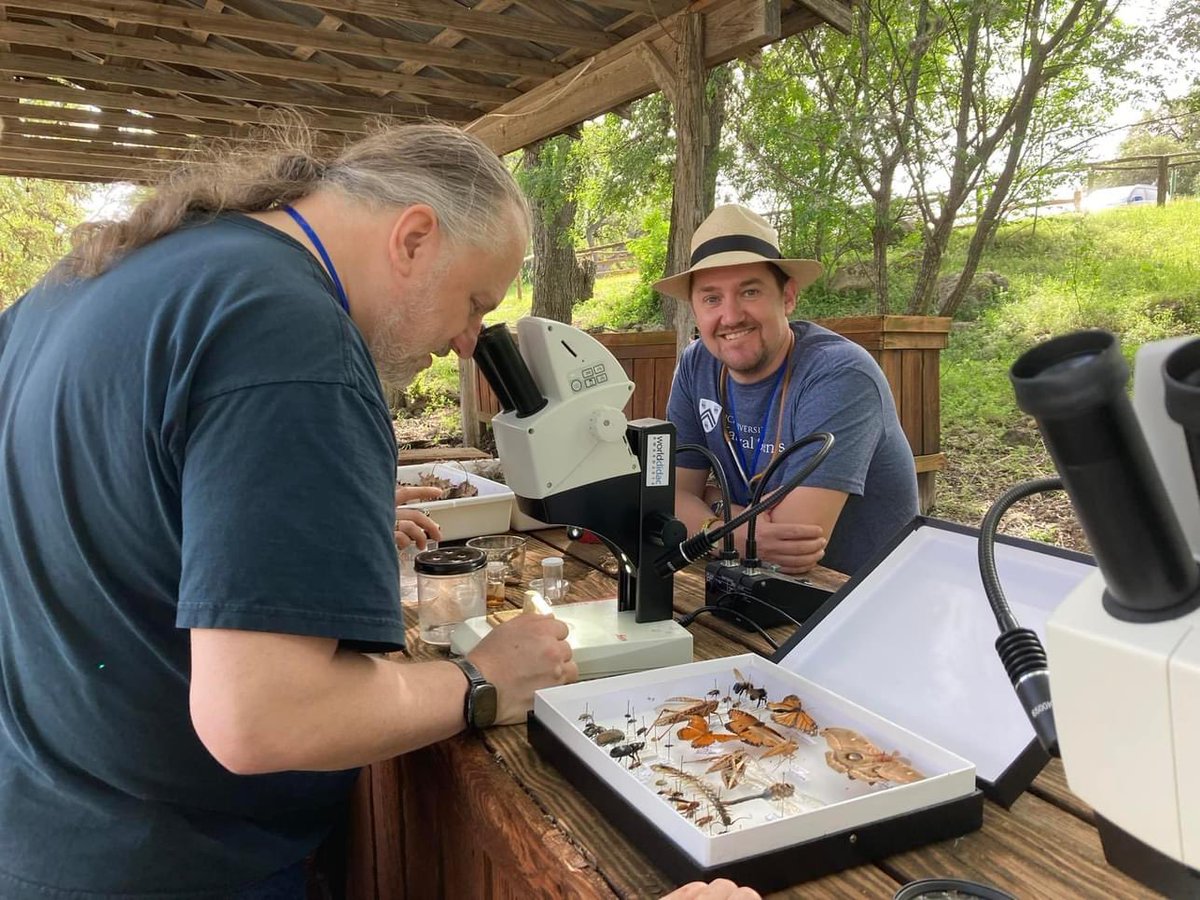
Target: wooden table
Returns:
[[484, 817]]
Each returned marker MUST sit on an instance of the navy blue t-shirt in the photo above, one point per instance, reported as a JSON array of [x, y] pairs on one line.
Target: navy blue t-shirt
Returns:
[[196, 438], [834, 386]]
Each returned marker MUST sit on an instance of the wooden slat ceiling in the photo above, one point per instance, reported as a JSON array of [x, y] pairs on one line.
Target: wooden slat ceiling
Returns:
[[108, 90]]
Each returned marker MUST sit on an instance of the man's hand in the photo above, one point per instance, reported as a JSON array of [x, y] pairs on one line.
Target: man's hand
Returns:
[[795, 548], [413, 526], [520, 656], [721, 889]]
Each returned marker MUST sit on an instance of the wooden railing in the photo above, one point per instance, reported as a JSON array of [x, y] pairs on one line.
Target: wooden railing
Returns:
[[907, 348]]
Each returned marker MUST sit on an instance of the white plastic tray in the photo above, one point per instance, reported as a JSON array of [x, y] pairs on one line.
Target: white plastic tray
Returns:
[[824, 801], [489, 512]]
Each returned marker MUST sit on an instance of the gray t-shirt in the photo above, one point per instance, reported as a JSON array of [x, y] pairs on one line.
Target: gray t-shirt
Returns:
[[834, 386], [195, 438]]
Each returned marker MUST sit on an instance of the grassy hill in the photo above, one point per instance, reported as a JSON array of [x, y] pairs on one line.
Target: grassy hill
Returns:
[[1133, 271]]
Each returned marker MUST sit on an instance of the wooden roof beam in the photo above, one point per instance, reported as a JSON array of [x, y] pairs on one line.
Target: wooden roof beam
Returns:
[[168, 106], [830, 12], [13, 111], [251, 63], [32, 150], [277, 32], [444, 16], [62, 173], [283, 96], [731, 28]]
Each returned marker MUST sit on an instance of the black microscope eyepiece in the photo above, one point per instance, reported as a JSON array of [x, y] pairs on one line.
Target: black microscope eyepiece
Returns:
[[1074, 387]]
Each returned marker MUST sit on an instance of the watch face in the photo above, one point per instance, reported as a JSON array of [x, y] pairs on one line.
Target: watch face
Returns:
[[483, 705]]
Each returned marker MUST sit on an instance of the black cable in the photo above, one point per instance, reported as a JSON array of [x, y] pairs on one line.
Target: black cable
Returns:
[[699, 544], [691, 617], [770, 606], [1019, 648], [987, 545], [756, 498], [723, 482]]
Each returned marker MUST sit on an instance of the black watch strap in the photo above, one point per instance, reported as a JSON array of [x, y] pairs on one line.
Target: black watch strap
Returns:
[[479, 706]]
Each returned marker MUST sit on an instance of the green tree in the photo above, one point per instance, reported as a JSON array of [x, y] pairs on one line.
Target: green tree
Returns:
[[36, 218]]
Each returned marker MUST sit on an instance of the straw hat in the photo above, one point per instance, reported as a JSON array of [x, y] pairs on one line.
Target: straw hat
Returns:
[[732, 236]]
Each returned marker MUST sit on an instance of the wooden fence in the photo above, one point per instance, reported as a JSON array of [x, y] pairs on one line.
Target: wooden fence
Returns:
[[907, 348]]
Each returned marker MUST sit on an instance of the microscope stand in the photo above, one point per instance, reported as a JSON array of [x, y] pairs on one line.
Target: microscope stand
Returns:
[[605, 641]]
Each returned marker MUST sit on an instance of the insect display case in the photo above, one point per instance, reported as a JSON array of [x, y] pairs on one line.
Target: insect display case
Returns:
[[738, 767], [876, 729]]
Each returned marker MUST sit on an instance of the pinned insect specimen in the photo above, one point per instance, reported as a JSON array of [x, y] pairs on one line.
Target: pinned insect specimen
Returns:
[[780, 790], [853, 755], [790, 713], [704, 791], [609, 736], [732, 767], [703, 821], [628, 751], [752, 731], [586, 715], [697, 733], [680, 709], [743, 685], [591, 729]]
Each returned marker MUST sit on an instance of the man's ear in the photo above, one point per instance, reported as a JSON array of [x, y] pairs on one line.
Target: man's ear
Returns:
[[414, 238], [789, 296]]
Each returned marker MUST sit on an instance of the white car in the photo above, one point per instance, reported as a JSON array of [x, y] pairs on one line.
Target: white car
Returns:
[[1126, 194]]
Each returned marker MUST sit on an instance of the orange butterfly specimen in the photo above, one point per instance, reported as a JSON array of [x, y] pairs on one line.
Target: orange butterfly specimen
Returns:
[[754, 732], [789, 712], [696, 731], [853, 755]]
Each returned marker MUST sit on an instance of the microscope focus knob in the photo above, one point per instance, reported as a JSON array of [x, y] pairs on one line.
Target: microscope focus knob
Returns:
[[608, 424]]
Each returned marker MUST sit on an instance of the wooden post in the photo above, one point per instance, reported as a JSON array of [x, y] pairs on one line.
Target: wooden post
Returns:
[[468, 402], [687, 202], [1163, 170]]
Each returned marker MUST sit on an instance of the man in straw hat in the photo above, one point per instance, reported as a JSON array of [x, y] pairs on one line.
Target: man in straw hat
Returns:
[[754, 383]]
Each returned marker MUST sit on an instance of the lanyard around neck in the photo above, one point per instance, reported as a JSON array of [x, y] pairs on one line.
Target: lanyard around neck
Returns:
[[783, 378], [316, 242]]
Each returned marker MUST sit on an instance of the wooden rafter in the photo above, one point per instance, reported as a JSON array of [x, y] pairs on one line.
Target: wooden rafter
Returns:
[[281, 95], [276, 32], [441, 15], [105, 90], [253, 63], [166, 107]]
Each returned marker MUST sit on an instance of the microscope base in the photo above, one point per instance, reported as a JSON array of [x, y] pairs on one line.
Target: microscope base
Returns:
[[605, 641]]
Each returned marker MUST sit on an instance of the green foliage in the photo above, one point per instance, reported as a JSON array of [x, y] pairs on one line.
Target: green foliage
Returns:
[[36, 218], [1132, 271]]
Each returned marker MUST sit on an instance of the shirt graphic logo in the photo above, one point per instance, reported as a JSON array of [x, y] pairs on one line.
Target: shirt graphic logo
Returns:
[[710, 414]]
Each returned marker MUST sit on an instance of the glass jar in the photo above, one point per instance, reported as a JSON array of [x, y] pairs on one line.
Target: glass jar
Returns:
[[451, 588]]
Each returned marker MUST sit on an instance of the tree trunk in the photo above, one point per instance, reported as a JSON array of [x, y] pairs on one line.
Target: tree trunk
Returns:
[[560, 280]]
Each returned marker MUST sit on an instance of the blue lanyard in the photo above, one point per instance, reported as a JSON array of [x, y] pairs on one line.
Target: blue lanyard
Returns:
[[316, 241], [747, 472]]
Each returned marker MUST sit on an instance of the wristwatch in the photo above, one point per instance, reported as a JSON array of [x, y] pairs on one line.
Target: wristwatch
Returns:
[[479, 708]]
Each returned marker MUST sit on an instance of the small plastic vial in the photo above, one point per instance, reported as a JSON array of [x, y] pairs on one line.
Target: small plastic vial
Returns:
[[552, 578]]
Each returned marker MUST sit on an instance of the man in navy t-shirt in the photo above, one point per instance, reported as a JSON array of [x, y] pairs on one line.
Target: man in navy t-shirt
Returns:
[[755, 383], [197, 469]]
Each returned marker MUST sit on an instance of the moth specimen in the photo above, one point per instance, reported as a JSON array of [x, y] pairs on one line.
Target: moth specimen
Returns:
[[853, 755]]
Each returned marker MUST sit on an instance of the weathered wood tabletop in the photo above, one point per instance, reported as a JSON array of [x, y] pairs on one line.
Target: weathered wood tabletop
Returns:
[[485, 816]]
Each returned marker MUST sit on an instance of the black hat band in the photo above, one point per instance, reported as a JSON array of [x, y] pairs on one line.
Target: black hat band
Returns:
[[731, 242]]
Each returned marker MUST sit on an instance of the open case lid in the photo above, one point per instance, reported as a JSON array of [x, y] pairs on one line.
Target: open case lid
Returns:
[[912, 637]]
